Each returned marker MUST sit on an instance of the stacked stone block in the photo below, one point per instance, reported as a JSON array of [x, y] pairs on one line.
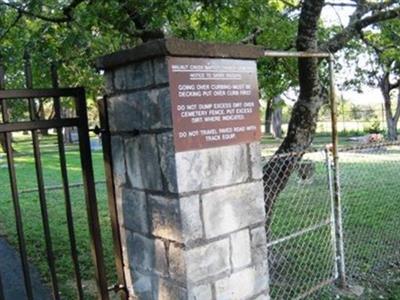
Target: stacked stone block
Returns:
[[192, 223]]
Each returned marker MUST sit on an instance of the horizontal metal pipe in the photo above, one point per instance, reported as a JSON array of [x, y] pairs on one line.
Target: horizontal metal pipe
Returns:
[[39, 124], [270, 53], [40, 93], [299, 233], [58, 187], [315, 288]]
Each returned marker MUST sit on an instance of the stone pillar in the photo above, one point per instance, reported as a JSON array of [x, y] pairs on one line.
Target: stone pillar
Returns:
[[192, 222]]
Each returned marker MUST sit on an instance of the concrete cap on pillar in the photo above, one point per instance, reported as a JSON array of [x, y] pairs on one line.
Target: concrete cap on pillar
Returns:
[[178, 47]]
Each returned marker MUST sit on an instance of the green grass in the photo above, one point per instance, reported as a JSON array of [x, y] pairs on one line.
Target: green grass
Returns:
[[31, 214], [300, 263], [270, 144], [370, 197], [370, 192]]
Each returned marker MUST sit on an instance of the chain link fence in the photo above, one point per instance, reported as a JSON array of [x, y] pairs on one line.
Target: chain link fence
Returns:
[[370, 189], [304, 256], [299, 228]]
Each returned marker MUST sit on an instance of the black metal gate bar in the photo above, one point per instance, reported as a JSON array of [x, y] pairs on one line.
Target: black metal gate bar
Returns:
[[90, 193], [81, 122], [17, 208], [65, 184], [1, 290], [15, 197], [38, 93], [39, 124], [112, 205], [40, 183], [2, 86]]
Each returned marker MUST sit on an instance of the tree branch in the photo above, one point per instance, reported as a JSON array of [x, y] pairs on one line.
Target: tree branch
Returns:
[[67, 12], [381, 5], [370, 44], [291, 5], [379, 51], [338, 41], [341, 4], [395, 85], [141, 24], [252, 37], [379, 17], [3, 35]]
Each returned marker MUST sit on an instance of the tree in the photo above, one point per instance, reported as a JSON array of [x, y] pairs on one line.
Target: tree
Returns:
[[302, 125], [89, 28], [277, 117], [268, 116], [384, 44], [276, 77], [73, 46], [74, 34], [84, 26]]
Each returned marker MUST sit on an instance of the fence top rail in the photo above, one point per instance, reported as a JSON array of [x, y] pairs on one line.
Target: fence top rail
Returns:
[[296, 153], [370, 146], [328, 148], [271, 53], [41, 93], [38, 124]]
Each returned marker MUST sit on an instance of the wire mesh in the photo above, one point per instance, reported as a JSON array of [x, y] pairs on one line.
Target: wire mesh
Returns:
[[370, 189], [299, 225]]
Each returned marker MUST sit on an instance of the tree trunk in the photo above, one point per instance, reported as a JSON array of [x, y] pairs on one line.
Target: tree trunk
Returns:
[[277, 119], [303, 122], [3, 139], [392, 129], [391, 120], [2, 142], [41, 115], [268, 117], [68, 131]]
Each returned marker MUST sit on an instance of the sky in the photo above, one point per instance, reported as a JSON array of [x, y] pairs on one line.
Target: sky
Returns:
[[340, 16]]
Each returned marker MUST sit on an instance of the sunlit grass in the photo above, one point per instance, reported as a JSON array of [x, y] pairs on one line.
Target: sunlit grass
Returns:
[[370, 200], [370, 195], [31, 215]]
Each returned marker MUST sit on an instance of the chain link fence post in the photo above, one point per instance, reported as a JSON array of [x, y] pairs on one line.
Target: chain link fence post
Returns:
[[329, 164], [336, 221], [337, 208]]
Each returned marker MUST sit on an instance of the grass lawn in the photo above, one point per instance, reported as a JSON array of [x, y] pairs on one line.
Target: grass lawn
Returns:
[[56, 209], [371, 196], [370, 193], [270, 144], [304, 261], [370, 199]]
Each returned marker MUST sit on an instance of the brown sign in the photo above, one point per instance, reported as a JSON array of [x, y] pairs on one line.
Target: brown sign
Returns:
[[214, 102]]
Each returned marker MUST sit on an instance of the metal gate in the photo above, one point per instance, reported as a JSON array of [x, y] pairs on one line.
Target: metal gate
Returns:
[[29, 98], [303, 206], [301, 227]]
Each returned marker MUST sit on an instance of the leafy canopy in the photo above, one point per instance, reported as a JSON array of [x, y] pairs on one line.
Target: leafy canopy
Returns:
[[74, 33]]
